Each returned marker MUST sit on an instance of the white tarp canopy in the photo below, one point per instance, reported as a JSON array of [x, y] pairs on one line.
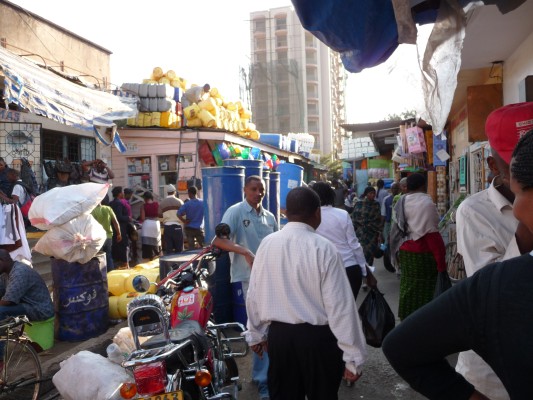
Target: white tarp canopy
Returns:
[[42, 92]]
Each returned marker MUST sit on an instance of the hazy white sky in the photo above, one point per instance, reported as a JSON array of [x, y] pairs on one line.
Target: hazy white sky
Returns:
[[208, 41]]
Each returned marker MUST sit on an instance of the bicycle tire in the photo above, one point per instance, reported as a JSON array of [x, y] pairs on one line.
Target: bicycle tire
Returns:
[[454, 263], [21, 375]]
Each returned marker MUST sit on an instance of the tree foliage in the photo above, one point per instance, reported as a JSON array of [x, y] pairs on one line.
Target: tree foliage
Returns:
[[406, 114], [333, 165]]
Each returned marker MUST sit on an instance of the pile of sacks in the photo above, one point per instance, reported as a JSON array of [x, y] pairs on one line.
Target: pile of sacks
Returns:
[[72, 233]]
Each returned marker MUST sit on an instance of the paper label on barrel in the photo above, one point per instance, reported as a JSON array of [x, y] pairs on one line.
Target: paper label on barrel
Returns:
[[186, 300], [291, 184]]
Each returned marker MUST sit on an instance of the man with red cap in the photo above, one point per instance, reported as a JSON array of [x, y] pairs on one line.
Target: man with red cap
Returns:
[[487, 231]]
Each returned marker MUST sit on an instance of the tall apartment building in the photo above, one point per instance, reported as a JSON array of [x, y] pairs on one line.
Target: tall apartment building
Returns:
[[297, 82]]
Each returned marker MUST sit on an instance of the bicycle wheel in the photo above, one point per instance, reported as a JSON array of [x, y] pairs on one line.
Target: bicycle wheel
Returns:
[[454, 263], [20, 377]]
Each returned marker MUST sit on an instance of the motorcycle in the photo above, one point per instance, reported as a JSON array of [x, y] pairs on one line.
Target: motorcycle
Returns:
[[188, 356]]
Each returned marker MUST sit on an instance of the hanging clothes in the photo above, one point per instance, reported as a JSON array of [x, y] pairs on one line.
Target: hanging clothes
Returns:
[[13, 233]]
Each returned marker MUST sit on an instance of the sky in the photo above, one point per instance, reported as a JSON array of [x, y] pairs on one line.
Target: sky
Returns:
[[208, 41]]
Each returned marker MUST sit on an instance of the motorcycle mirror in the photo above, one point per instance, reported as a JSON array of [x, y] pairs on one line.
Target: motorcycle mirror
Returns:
[[222, 231], [140, 283]]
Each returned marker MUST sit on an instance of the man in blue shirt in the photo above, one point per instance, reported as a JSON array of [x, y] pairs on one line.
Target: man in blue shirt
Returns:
[[22, 291], [250, 223], [193, 210]]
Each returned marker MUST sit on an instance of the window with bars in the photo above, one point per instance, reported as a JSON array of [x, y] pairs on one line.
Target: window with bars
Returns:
[[56, 145]]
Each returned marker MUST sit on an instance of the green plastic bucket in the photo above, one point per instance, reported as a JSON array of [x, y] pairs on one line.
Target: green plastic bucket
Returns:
[[42, 333]]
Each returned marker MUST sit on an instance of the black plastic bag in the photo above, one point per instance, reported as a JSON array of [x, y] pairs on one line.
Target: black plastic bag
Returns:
[[376, 317], [443, 283], [387, 263]]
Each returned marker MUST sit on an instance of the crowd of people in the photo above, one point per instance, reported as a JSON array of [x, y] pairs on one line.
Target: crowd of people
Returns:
[[302, 321], [300, 283], [160, 225]]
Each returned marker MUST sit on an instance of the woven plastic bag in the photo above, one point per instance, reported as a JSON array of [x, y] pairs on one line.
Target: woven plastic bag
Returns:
[[78, 240], [376, 317], [61, 204]]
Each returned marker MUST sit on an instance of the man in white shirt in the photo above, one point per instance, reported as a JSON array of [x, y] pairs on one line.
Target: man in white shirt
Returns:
[[249, 223], [301, 307], [487, 231]]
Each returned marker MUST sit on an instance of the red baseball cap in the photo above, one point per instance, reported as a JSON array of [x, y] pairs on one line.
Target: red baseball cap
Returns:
[[506, 125]]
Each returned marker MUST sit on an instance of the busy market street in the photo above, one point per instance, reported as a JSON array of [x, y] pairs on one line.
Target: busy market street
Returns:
[[266, 200]]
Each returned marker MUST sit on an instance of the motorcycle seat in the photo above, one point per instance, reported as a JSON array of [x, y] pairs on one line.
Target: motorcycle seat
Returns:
[[188, 329]]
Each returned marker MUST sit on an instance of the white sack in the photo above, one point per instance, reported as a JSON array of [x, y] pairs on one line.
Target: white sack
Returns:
[[89, 376], [61, 204], [76, 241]]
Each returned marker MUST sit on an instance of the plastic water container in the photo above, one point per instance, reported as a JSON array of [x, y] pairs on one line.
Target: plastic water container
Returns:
[[143, 90], [273, 139], [291, 176], [152, 91], [165, 91], [295, 146]]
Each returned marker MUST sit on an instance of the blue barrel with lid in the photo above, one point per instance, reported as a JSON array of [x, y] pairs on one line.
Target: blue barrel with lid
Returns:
[[222, 188], [291, 176], [81, 299], [266, 199], [252, 167], [273, 195]]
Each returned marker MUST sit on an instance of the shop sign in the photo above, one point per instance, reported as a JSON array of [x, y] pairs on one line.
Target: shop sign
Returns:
[[131, 147]]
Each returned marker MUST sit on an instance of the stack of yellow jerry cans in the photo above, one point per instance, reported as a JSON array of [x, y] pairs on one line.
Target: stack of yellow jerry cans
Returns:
[[160, 97], [121, 290]]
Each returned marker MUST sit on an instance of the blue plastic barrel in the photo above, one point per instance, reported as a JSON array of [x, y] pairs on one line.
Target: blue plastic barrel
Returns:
[[273, 139], [253, 167], [81, 300], [273, 194], [266, 179], [222, 188], [291, 176]]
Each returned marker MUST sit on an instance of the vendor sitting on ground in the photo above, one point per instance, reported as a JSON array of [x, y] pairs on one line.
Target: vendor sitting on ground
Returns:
[[22, 291]]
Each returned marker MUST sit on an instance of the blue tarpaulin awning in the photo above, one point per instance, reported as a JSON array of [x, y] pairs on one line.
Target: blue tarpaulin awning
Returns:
[[365, 32]]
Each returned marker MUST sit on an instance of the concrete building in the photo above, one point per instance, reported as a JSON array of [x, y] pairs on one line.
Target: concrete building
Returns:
[[27, 34], [297, 82], [45, 126]]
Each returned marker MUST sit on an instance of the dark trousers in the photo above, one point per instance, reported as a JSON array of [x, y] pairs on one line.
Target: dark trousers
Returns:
[[173, 239], [194, 234], [355, 277], [304, 361], [107, 248]]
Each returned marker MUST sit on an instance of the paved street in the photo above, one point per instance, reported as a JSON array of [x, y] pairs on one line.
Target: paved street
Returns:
[[379, 381]]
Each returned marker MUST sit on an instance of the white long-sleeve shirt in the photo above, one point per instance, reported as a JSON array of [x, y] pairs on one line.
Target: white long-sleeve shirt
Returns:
[[298, 277], [485, 234], [337, 227]]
